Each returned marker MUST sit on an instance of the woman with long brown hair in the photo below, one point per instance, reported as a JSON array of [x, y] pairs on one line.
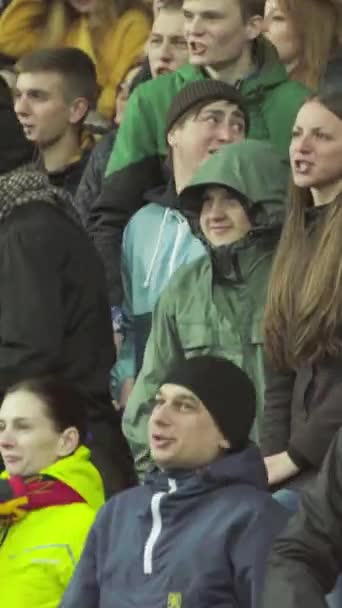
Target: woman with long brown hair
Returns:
[[306, 34], [111, 32], [303, 318]]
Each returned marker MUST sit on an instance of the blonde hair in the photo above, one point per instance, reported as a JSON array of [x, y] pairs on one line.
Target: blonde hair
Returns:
[[61, 14]]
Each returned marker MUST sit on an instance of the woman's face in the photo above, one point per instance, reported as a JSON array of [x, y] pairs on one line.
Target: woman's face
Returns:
[[29, 441], [316, 147], [279, 30], [84, 6]]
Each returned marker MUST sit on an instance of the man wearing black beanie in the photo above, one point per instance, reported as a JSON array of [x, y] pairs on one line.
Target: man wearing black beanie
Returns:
[[198, 533]]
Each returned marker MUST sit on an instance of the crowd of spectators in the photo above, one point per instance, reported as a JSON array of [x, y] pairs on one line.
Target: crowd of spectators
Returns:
[[170, 311]]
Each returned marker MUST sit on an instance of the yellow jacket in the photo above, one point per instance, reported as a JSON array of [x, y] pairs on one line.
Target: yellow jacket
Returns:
[[39, 553], [23, 26]]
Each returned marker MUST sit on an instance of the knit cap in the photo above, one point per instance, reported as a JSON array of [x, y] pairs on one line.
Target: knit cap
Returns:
[[204, 91], [225, 390]]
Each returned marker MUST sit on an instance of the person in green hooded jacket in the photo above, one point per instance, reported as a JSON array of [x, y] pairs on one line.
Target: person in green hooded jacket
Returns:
[[225, 42], [214, 306]]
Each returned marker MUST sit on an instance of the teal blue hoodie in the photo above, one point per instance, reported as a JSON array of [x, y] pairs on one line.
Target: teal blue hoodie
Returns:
[[156, 242]]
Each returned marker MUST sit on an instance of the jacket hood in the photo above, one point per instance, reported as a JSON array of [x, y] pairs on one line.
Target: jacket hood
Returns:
[[233, 469], [166, 196], [254, 171], [79, 474]]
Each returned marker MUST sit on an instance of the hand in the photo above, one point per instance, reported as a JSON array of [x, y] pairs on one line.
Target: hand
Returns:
[[279, 468]]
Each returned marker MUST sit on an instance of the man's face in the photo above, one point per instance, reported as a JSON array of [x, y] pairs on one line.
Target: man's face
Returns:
[[193, 141], [41, 107], [223, 219], [215, 32], [167, 47], [182, 433]]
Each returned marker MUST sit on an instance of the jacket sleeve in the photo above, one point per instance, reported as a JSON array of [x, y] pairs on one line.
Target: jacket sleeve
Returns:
[[277, 411], [32, 316], [19, 33], [307, 558], [91, 183], [250, 553], [83, 589], [133, 168], [163, 350], [310, 444]]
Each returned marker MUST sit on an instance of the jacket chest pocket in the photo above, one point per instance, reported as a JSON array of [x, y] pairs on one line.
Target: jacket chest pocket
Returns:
[[212, 338]]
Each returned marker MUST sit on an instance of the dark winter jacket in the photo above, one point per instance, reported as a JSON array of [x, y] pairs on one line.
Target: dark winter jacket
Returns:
[[196, 539], [135, 164], [70, 176], [302, 414], [333, 75], [54, 312], [15, 150], [307, 558], [93, 175]]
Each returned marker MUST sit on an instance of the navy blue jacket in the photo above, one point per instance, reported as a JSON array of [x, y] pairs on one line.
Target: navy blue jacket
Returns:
[[186, 540]]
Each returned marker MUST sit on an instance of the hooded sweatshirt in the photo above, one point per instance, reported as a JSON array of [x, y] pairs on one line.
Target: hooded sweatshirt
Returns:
[[39, 553], [147, 266], [215, 305], [184, 539], [135, 164]]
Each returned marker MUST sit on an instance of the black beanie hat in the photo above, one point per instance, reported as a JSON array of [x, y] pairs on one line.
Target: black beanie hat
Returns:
[[202, 91], [225, 390]]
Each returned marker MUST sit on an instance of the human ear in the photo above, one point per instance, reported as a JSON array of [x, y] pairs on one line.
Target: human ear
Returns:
[[78, 110], [254, 27], [68, 442]]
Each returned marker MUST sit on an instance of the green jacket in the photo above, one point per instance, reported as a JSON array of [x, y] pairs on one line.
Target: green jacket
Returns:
[[203, 312], [135, 163]]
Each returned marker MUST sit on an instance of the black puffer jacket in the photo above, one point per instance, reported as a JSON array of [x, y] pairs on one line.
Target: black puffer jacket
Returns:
[[307, 558], [54, 311], [15, 150], [93, 176]]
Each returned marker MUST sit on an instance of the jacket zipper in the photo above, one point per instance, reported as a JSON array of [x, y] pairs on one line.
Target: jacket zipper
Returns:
[[157, 525]]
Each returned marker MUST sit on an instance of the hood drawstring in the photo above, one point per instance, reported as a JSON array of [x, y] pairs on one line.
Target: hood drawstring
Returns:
[[154, 257], [181, 228]]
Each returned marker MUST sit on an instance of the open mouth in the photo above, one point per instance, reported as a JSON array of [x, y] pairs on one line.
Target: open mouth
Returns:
[[302, 167], [161, 442], [162, 70], [197, 48]]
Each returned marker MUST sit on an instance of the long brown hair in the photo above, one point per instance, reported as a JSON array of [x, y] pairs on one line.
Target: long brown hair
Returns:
[[303, 316], [317, 25]]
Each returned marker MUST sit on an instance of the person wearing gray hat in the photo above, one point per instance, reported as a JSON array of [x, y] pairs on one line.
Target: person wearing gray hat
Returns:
[[203, 117], [199, 531], [214, 306]]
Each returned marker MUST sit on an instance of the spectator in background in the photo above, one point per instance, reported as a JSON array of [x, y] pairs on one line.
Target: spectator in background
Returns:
[[15, 150], [49, 493], [212, 522], [306, 34], [204, 116], [54, 313], [111, 32], [225, 43], [166, 50], [307, 558], [304, 308], [55, 88], [215, 305]]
